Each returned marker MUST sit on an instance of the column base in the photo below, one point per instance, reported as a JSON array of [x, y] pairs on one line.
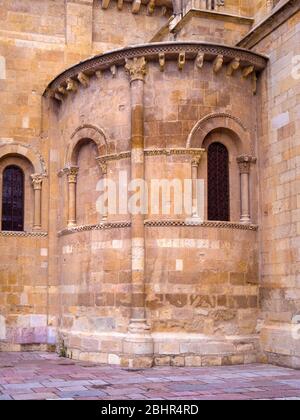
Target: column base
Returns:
[[245, 220], [194, 219], [138, 346], [71, 225]]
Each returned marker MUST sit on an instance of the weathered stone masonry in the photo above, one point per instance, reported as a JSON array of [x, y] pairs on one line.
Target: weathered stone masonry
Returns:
[[143, 290]]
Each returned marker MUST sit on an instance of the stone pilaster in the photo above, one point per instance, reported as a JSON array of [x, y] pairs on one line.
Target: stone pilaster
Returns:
[[195, 165], [244, 163], [139, 345], [72, 173], [103, 169], [37, 182]]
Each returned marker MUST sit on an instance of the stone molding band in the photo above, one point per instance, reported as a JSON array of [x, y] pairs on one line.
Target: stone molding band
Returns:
[[205, 224], [147, 223], [100, 226], [148, 152], [24, 234], [152, 51]]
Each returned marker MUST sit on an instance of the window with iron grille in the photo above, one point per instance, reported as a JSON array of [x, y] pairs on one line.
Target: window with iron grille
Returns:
[[13, 199], [218, 183]]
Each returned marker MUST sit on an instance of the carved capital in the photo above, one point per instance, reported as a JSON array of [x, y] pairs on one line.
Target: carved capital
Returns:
[[196, 160], [37, 180], [72, 172], [103, 166], [136, 68], [245, 162]]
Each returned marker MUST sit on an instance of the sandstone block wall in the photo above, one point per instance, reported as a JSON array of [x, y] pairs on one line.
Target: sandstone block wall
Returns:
[[209, 289], [279, 168]]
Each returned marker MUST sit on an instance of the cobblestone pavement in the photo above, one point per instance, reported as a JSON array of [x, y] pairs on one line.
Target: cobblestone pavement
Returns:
[[42, 376]]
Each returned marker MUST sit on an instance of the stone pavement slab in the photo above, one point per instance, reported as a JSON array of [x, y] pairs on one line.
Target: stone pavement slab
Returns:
[[45, 376]]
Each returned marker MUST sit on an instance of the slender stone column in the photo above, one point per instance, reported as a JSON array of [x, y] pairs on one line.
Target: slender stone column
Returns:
[[244, 163], [72, 173], [139, 343], [37, 181], [103, 168], [195, 165]]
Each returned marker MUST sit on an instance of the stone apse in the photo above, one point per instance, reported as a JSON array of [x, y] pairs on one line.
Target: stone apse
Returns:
[[192, 98], [141, 289]]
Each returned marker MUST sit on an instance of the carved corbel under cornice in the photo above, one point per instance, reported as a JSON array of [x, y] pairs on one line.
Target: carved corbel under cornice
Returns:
[[181, 60], [83, 79], [218, 63], [246, 71], [162, 61], [233, 66], [199, 60], [136, 5], [105, 4], [151, 7], [72, 85]]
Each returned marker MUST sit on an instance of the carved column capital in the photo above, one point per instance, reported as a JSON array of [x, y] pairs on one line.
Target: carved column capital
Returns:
[[72, 172], [136, 68], [37, 180], [196, 159], [245, 162], [103, 166]]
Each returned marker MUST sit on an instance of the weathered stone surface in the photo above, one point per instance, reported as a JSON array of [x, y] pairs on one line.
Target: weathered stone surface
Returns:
[[80, 279]]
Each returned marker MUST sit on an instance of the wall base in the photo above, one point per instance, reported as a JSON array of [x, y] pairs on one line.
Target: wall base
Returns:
[[169, 349], [281, 344]]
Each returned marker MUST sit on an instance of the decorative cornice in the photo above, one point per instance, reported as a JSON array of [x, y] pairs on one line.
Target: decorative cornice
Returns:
[[23, 234], [151, 152], [151, 53], [206, 224], [178, 151], [279, 15], [116, 156], [100, 226]]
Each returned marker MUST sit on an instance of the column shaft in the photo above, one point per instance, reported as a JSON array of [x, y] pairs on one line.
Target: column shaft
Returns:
[[72, 173], [37, 181], [244, 163], [137, 71]]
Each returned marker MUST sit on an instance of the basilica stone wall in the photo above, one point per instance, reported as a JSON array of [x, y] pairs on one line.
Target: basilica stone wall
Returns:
[[152, 289], [200, 282], [279, 172]]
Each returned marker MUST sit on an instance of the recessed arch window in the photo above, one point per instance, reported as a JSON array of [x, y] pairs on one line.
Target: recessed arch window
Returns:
[[218, 183], [13, 199]]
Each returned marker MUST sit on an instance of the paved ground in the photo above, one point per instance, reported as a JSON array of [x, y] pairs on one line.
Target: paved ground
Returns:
[[35, 376]]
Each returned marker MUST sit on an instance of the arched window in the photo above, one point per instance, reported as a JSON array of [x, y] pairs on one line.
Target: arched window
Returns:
[[218, 183], [13, 199]]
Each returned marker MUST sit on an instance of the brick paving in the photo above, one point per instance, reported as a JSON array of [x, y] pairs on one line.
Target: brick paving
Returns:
[[44, 376]]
